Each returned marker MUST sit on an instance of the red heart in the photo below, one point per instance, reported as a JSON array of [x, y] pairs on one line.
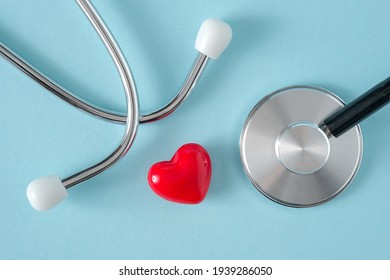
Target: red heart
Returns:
[[185, 178]]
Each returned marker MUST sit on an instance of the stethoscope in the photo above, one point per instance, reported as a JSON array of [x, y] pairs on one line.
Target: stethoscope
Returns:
[[300, 146], [213, 37]]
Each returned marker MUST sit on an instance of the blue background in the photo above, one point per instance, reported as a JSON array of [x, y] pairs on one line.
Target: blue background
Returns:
[[339, 45]]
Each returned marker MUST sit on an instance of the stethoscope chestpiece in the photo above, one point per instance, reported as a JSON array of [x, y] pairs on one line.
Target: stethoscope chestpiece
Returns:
[[287, 154]]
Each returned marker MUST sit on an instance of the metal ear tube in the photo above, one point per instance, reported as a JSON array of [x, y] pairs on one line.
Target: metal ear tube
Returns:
[[45, 193]]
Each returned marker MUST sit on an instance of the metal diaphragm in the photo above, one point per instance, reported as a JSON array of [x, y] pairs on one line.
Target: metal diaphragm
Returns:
[[288, 157]]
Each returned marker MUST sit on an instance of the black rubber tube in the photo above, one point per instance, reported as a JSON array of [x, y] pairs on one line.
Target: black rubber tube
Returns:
[[359, 109]]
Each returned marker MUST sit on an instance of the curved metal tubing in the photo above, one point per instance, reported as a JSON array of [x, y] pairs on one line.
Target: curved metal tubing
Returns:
[[189, 84], [131, 99], [56, 89]]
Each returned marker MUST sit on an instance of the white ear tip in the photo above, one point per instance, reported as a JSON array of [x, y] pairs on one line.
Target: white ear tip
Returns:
[[213, 37], [46, 192]]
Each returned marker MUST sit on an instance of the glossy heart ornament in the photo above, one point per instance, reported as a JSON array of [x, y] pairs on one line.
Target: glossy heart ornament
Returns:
[[185, 178]]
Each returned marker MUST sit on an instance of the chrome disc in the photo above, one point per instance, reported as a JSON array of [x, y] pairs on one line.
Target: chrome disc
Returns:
[[288, 157]]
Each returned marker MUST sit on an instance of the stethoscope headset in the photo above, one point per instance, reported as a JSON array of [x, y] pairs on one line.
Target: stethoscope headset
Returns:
[[213, 37]]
